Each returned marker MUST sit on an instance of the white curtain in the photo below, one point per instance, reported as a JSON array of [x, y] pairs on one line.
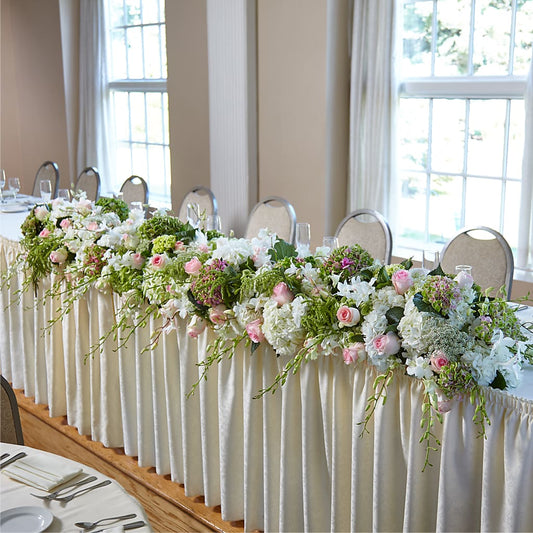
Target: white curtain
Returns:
[[524, 256], [372, 105], [94, 130]]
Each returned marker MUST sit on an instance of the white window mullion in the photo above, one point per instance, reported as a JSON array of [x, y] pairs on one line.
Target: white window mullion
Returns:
[[471, 38], [512, 37], [465, 162], [428, 170]]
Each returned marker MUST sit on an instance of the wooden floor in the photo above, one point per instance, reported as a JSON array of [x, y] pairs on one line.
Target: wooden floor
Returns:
[[164, 501]]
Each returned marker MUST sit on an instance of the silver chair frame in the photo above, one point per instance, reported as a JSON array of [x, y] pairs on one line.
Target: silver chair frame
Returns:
[[288, 207], [88, 171], [142, 183], [55, 186], [182, 213]]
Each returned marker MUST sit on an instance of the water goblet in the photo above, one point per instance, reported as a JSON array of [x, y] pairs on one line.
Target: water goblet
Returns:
[[14, 186], [330, 242], [2, 183], [136, 205], [64, 194], [303, 237], [467, 269], [213, 223], [193, 214], [46, 190]]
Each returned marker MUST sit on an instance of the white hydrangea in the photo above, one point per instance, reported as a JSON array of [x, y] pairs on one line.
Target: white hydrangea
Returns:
[[234, 251], [410, 329], [357, 290], [281, 325]]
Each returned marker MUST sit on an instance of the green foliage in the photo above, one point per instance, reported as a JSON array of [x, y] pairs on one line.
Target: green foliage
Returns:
[[321, 316], [114, 205], [281, 250], [166, 225]]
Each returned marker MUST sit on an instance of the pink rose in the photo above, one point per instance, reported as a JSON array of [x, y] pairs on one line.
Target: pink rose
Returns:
[[464, 280], [354, 352], [203, 247], [179, 246], [158, 261], [402, 281], [254, 331], [58, 256], [137, 260], [65, 223], [44, 233], [196, 327], [84, 206], [388, 344], [193, 266], [281, 294], [92, 226], [438, 359], [348, 316], [216, 314]]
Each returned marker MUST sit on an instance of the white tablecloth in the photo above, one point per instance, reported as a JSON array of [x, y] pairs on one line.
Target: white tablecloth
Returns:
[[291, 461], [103, 502]]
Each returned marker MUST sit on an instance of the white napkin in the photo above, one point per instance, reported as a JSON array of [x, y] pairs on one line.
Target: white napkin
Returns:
[[42, 471], [114, 529]]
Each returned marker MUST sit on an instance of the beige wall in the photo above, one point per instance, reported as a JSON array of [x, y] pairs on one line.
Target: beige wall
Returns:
[[33, 125]]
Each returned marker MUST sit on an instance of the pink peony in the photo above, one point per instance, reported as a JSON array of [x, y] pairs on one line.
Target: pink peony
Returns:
[[58, 256], [348, 316], [254, 330], [193, 266], [438, 360], [65, 223], [353, 353], [216, 314], [281, 294], [137, 260], [158, 261], [388, 344], [402, 281], [464, 280], [196, 327], [44, 233]]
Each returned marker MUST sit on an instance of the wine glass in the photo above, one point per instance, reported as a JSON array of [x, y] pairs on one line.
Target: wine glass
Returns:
[[303, 238], [46, 190], [64, 194], [14, 186], [213, 223], [430, 260], [2, 183]]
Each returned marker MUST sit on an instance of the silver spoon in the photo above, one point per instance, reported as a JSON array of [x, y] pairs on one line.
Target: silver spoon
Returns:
[[91, 525]]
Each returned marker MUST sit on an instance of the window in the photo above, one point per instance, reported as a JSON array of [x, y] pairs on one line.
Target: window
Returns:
[[461, 119], [139, 101]]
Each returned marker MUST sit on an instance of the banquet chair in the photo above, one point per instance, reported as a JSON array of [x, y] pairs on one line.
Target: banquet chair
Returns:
[[134, 189], [369, 229], [10, 427], [202, 196], [89, 182], [486, 251], [274, 213], [47, 171]]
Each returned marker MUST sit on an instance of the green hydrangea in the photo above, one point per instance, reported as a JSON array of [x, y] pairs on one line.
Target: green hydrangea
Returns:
[[163, 243]]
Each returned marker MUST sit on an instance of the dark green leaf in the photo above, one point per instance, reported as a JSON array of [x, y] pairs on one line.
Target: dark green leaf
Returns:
[[281, 250], [437, 271], [255, 345], [423, 306], [499, 381]]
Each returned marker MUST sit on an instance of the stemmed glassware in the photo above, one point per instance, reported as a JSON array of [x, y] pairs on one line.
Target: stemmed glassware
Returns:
[[331, 242], [430, 260], [14, 186], [46, 190], [213, 223], [2, 183]]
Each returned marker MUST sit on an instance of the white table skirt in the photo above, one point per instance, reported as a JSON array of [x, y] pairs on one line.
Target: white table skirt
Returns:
[[292, 461], [105, 502]]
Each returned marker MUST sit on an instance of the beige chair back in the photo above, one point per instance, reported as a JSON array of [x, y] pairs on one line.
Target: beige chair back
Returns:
[[276, 214], [10, 426], [135, 189], [487, 252], [47, 171], [369, 229], [202, 196], [89, 181]]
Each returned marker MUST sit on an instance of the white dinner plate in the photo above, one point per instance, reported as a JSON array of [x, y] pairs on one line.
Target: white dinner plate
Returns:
[[13, 208], [25, 519]]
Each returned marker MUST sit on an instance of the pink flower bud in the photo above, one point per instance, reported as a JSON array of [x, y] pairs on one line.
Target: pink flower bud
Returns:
[[193, 266], [92, 226], [216, 314], [158, 261], [44, 233], [402, 281], [65, 223], [281, 294], [388, 344], [438, 359], [254, 330], [196, 327], [58, 256], [138, 260], [353, 353]]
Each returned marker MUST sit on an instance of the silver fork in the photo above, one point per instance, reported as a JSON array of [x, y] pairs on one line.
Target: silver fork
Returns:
[[53, 495], [66, 499]]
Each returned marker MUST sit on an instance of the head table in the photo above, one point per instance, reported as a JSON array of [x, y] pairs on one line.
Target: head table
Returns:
[[290, 461]]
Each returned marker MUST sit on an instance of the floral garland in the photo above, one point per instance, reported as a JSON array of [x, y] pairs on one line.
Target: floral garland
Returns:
[[435, 327]]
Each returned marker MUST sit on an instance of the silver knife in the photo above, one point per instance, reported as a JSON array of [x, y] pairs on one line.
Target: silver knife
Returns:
[[4, 455], [13, 459], [125, 527]]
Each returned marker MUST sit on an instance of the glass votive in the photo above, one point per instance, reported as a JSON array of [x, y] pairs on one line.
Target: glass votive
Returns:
[[463, 268], [330, 241]]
